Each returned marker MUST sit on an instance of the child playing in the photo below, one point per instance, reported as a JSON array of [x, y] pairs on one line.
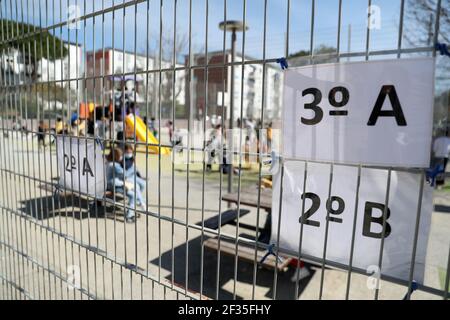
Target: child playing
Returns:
[[116, 183], [133, 176]]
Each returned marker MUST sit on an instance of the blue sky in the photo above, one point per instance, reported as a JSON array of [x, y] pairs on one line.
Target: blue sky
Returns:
[[354, 16], [354, 13]]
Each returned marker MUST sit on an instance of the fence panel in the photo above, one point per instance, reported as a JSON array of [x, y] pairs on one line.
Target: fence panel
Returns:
[[139, 148]]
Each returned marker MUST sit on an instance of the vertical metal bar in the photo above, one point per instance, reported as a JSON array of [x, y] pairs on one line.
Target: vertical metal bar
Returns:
[[400, 28], [437, 25], [95, 141], [338, 41], [27, 97], [102, 99], [3, 254], [288, 17], [134, 148], [5, 283], [113, 142], [275, 281], [43, 153], [14, 233], [386, 204], [78, 151], [14, 180], [5, 146], [352, 245], [186, 275], [56, 136], [280, 209], [3, 174], [263, 101], [236, 245], [86, 151], [174, 62], [34, 168], [153, 290], [9, 177], [70, 148], [206, 71], [416, 234], [327, 223], [59, 173], [127, 206], [368, 30], [45, 166], [311, 40], [159, 149], [38, 170], [142, 287], [447, 277], [302, 223], [52, 83], [22, 160], [147, 75], [224, 71], [50, 147]]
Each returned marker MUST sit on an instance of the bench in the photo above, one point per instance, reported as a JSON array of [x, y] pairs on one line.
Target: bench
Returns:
[[118, 197], [246, 253]]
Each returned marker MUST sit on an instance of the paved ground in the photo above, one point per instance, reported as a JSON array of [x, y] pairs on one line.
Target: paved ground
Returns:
[[154, 245]]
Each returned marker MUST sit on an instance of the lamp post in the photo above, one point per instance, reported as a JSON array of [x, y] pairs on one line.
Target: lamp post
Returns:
[[233, 26]]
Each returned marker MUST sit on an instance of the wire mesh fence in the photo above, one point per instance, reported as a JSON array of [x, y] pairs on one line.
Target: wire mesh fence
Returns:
[[139, 144]]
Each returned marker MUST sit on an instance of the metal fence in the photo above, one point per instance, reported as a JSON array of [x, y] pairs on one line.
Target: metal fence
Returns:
[[58, 242]]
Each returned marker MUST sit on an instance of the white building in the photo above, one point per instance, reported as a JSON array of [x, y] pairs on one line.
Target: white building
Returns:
[[17, 69], [13, 68], [69, 67], [248, 93]]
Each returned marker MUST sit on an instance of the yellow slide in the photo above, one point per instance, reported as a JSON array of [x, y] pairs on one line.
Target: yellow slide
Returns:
[[142, 133]]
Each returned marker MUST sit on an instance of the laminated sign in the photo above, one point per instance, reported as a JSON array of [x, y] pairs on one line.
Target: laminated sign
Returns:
[[81, 166], [377, 112], [351, 214]]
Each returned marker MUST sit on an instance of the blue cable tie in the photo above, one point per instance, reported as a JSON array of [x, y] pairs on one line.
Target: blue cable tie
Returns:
[[57, 189], [443, 49], [414, 287], [283, 63], [270, 252]]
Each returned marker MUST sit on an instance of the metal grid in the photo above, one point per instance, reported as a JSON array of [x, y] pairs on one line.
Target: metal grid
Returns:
[[37, 253]]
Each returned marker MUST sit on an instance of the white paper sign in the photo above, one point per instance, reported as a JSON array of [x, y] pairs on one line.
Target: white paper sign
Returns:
[[81, 166], [377, 112], [400, 225]]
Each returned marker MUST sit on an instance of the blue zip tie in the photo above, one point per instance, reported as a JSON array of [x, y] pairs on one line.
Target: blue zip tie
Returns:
[[270, 252], [443, 49], [283, 63], [414, 287]]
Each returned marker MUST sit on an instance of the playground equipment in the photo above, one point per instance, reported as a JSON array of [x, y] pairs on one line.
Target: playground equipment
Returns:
[[86, 109], [144, 134]]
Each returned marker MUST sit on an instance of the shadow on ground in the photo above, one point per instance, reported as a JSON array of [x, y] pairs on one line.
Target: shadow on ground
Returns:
[[442, 208], [70, 205], [264, 277]]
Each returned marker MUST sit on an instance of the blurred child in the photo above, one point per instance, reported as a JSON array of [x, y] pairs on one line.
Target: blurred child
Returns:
[[132, 175], [116, 183]]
